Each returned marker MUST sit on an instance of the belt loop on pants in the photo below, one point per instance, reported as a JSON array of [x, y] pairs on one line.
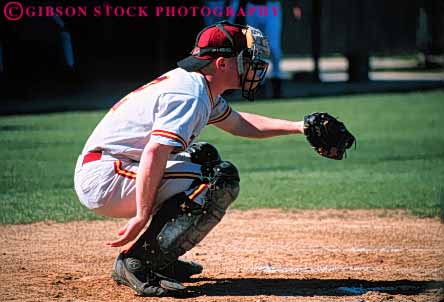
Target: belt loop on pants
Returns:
[[92, 156]]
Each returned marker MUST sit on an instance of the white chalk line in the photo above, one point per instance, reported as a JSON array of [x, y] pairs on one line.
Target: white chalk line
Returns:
[[270, 269]]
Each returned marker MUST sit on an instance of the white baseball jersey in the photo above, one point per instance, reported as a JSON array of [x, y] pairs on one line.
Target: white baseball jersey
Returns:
[[171, 110]]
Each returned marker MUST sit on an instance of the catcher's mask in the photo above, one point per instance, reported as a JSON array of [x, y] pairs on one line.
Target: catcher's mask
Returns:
[[227, 40]]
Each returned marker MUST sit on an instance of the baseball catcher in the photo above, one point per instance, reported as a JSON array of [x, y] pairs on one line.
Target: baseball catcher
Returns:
[[141, 161]]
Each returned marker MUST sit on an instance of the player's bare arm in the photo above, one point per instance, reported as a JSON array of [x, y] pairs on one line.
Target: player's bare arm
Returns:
[[152, 166], [258, 126]]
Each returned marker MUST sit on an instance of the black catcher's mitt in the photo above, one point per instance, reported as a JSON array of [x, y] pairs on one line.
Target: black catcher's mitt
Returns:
[[327, 135]]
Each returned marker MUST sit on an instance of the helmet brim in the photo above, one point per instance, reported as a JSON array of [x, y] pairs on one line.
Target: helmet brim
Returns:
[[193, 63]]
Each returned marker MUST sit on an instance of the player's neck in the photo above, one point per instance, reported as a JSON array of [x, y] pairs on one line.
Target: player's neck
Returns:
[[216, 86]]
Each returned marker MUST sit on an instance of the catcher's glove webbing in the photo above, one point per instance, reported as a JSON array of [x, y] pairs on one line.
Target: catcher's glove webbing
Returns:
[[327, 135]]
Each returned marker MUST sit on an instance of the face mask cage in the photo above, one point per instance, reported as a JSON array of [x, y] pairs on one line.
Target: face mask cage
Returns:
[[252, 73]]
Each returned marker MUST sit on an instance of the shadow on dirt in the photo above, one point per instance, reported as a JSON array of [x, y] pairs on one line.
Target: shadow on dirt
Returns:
[[310, 287]]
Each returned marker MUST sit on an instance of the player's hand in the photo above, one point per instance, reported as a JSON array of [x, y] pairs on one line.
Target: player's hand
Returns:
[[129, 232]]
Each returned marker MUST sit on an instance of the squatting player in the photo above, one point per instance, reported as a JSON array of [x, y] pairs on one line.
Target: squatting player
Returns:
[[140, 161]]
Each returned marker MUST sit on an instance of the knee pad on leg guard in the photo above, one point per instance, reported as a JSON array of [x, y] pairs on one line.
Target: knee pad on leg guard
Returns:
[[201, 153], [204, 153]]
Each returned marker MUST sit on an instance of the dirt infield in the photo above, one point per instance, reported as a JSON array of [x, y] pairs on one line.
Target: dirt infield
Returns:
[[260, 255]]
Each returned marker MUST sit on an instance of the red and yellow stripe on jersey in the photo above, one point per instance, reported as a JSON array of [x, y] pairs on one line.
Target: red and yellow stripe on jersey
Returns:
[[172, 136], [170, 175], [167, 175], [222, 117], [122, 172]]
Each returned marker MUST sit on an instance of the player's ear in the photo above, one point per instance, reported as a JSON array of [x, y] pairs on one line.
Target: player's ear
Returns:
[[221, 63]]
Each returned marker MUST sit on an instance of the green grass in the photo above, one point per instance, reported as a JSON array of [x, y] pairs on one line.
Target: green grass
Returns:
[[398, 164]]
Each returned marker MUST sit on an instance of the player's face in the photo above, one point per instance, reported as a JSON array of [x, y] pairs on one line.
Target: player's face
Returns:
[[254, 72], [232, 75]]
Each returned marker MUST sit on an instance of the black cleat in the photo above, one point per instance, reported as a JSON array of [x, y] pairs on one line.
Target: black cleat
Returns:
[[182, 270], [132, 273]]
